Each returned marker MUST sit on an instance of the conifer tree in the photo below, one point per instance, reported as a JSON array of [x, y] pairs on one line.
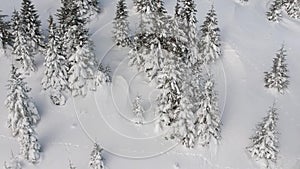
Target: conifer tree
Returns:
[[82, 70], [29, 145], [55, 75], [208, 115], [121, 25], [264, 143], [19, 104], [102, 76], [71, 165], [292, 8], [138, 110], [21, 49], [209, 44], [277, 78], [5, 35], [88, 8], [31, 25], [96, 160], [275, 11], [184, 129], [169, 85]]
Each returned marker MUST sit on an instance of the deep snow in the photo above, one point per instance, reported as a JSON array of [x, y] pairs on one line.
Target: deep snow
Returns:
[[249, 43]]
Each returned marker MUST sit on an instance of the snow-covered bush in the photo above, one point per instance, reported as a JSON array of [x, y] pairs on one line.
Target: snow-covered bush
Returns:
[[138, 110], [96, 160]]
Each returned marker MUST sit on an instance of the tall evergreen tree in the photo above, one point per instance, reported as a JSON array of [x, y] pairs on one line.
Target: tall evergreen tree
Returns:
[[208, 115], [19, 104], [31, 25], [96, 160], [121, 25], [264, 143], [5, 35], [21, 49], [169, 85], [55, 76], [209, 44], [29, 145], [275, 11], [82, 70], [277, 78]]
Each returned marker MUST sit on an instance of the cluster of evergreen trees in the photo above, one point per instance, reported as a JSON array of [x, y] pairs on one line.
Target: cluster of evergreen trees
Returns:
[[292, 8], [172, 53], [70, 64], [265, 142]]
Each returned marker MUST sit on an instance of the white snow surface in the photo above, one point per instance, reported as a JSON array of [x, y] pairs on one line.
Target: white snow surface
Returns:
[[249, 42]]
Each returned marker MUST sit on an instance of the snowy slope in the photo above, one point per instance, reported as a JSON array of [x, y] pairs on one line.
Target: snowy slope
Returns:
[[249, 43]]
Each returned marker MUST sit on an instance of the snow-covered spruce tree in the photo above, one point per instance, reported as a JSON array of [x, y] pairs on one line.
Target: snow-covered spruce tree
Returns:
[[275, 11], [55, 75], [121, 25], [19, 104], [292, 8], [209, 44], [88, 8], [29, 145], [102, 76], [82, 70], [208, 121], [264, 144], [31, 25], [277, 78], [21, 50], [184, 129], [138, 110], [5, 35], [96, 160], [14, 163], [169, 85]]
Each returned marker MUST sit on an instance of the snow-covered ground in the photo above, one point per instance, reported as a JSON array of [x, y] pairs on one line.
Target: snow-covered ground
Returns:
[[249, 42]]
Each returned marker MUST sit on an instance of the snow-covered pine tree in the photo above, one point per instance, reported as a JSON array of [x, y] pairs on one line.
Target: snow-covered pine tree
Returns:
[[169, 85], [154, 59], [178, 8], [88, 8], [5, 35], [264, 143], [21, 48], [14, 163], [31, 25], [277, 78], [121, 25], [275, 11], [96, 160], [82, 70], [208, 121], [55, 75], [29, 145], [102, 76], [19, 104], [292, 8], [209, 44], [184, 129], [138, 110]]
